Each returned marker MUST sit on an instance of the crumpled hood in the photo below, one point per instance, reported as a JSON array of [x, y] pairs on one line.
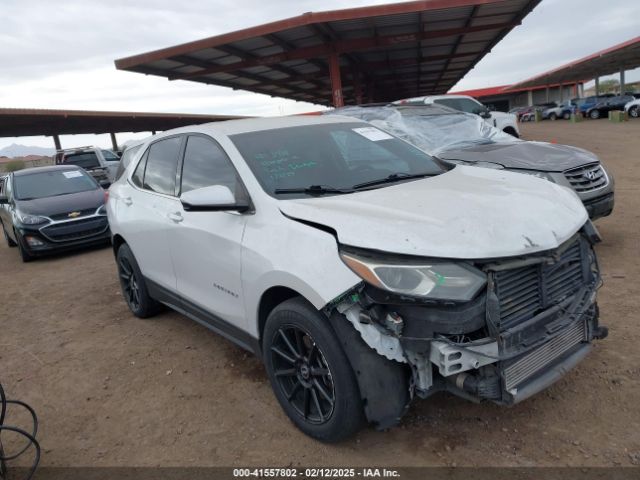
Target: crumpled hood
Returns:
[[545, 157], [63, 204], [466, 213]]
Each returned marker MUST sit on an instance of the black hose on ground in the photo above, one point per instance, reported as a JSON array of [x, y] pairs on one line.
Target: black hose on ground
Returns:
[[30, 437]]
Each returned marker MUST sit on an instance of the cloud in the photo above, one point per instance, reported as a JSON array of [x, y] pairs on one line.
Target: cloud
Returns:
[[60, 54]]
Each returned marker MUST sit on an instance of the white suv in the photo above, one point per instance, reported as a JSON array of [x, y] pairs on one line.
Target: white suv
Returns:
[[361, 270], [507, 122]]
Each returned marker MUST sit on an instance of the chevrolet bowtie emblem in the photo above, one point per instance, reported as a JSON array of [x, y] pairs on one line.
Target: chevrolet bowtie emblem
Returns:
[[73, 214]]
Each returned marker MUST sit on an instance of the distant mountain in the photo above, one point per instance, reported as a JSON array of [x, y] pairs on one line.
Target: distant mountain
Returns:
[[16, 150]]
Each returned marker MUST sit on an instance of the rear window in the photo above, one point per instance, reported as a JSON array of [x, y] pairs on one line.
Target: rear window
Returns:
[[52, 184], [85, 160], [109, 156]]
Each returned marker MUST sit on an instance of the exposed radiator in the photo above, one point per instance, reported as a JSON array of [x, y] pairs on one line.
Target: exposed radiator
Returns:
[[534, 361]]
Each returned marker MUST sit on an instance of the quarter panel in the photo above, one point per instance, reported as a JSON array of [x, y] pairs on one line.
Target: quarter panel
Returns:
[[278, 251]]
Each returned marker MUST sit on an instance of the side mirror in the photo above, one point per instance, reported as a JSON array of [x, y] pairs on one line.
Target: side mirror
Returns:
[[216, 198], [485, 113]]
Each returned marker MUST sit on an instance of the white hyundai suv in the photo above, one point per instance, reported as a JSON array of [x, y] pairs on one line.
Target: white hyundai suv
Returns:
[[507, 122], [362, 271]]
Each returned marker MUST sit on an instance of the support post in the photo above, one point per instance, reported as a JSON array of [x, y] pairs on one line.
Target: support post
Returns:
[[56, 142], [546, 91], [530, 98], [622, 81], [597, 86], [336, 80], [114, 142]]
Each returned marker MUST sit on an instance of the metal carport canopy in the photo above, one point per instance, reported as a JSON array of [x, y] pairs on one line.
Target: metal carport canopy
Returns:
[[624, 56], [368, 54], [20, 122]]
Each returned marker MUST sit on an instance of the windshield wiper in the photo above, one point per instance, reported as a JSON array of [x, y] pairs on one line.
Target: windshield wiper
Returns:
[[312, 190], [394, 177]]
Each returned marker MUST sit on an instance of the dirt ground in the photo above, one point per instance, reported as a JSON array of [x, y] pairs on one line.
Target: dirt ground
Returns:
[[112, 390]]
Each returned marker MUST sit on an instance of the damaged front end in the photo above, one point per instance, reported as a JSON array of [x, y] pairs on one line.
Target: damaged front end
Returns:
[[504, 330]]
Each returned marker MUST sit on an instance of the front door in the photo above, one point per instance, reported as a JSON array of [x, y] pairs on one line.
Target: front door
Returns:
[[206, 246]]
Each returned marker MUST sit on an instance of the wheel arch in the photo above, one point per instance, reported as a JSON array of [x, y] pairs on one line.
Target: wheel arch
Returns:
[[511, 131], [117, 241], [269, 300]]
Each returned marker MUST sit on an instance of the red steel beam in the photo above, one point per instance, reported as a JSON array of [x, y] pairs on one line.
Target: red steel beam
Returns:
[[342, 46], [294, 22], [336, 80]]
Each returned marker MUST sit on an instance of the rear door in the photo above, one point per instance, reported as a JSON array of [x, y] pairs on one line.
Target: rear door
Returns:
[[145, 209], [206, 246]]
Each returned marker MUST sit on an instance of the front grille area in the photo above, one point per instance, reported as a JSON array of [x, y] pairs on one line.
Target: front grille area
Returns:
[[534, 361], [586, 178], [75, 230], [526, 291], [65, 216]]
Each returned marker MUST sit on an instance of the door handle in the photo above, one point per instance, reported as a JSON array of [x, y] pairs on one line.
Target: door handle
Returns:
[[127, 201], [176, 217]]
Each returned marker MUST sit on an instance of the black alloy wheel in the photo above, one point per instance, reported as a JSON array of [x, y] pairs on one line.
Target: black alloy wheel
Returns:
[[310, 373], [129, 283], [303, 374]]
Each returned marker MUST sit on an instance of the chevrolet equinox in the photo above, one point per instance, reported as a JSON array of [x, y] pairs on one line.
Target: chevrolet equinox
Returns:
[[362, 271]]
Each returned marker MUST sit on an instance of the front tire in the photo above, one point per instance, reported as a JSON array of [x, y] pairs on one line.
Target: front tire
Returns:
[[594, 114], [24, 253], [310, 374], [553, 116], [8, 239], [634, 112], [134, 288]]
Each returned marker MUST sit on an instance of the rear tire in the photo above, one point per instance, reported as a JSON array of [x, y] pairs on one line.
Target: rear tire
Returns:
[[8, 239], [594, 114], [566, 115], [310, 373], [134, 288], [553, 116]]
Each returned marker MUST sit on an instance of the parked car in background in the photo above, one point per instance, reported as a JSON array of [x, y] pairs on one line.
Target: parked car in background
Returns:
[[49, 209], [129, 151], [602, 108], [563, 110], [633, 108], [587, 103], [459, 138], [529, 115], [363, 271], [506, 122], [101, 163]]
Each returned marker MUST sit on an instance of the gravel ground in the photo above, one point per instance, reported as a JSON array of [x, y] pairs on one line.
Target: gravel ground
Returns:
[[112, 390]]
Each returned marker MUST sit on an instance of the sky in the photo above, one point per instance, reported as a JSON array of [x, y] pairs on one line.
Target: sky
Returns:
[[59, 54]]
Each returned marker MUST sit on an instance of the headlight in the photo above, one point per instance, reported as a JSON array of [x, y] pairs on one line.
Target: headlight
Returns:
[[435, 280], [542, 175], [102, 210], [27, 219]]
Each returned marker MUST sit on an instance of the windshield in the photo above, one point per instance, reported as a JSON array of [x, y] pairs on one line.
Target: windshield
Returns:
[[84, 160], [432, 133], [337, 156], [51, 184]]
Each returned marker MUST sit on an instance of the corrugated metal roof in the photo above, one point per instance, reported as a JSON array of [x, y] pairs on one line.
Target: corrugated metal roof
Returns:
[[18, 122], [385, 52], [625, 55]]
